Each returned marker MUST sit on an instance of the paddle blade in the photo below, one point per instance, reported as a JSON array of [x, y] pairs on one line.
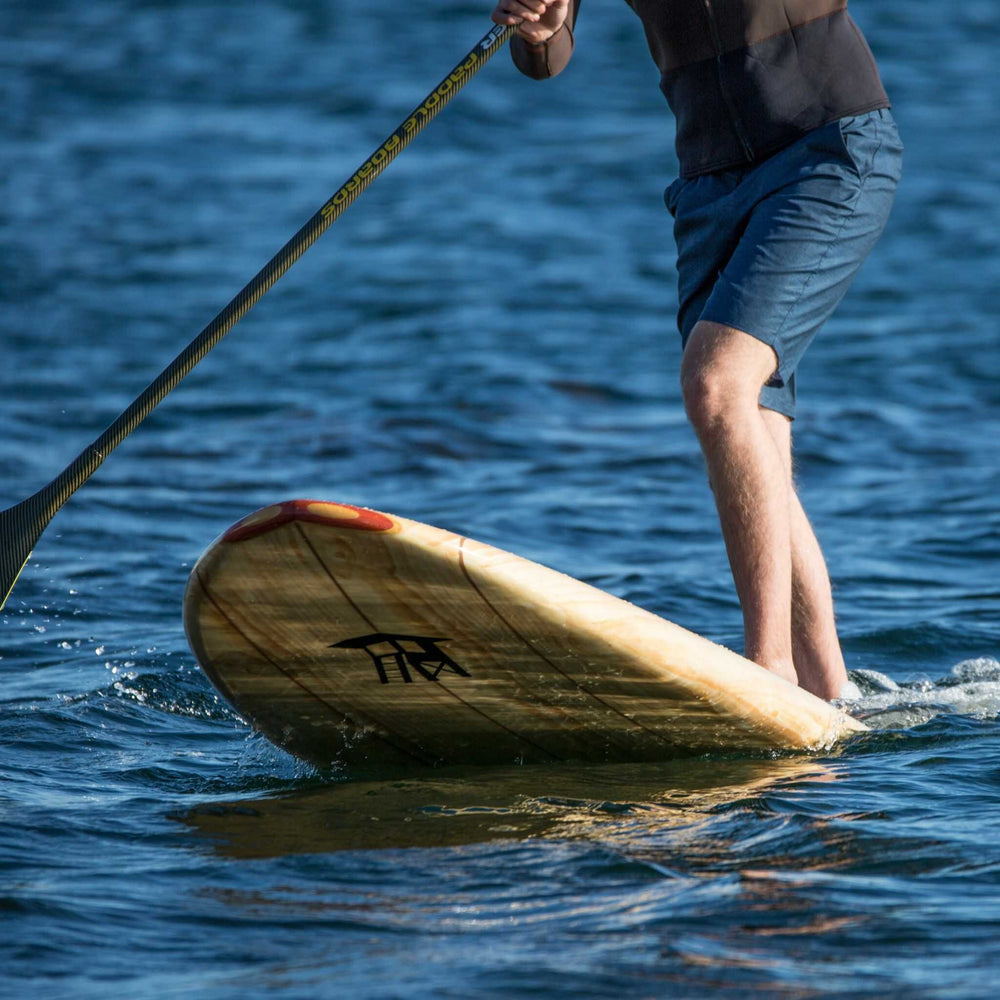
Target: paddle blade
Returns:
[[20, 528]]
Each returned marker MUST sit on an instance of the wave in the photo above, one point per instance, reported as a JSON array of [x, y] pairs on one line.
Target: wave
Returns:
[[972, 688]]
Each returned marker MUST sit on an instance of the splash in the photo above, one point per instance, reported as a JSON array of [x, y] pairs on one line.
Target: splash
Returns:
[[972, 688]]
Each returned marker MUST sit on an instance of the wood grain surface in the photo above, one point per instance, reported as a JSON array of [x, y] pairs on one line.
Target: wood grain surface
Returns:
[[369, 641]]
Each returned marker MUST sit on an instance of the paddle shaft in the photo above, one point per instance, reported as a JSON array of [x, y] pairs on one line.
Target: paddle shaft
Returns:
[[21, 525]]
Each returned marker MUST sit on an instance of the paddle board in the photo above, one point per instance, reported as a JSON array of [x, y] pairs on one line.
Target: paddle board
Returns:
[[356, 638]]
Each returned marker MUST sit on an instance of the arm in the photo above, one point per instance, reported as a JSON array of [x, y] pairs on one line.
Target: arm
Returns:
[[544, 40]]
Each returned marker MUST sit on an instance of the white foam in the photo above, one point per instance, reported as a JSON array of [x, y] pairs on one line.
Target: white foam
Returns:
[[850, 692], [971, 688]]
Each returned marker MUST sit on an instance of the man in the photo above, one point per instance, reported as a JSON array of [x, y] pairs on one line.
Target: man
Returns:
[[789, 161]]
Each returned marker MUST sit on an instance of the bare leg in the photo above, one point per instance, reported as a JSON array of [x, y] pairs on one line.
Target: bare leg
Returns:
[[819, 661], [722, 373], [777, 564]]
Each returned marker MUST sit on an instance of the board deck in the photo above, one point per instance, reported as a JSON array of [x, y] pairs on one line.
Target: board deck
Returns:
[[356, 638]]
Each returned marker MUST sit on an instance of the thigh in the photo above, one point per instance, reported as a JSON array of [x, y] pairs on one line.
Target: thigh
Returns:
[[807, 236], [707, 229], [771, 250]]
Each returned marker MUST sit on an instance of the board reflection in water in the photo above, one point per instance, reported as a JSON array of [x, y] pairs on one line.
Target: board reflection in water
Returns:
[[620, 803]]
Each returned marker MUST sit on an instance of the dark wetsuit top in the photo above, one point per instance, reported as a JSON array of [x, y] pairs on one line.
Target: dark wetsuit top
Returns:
[[743, 77]]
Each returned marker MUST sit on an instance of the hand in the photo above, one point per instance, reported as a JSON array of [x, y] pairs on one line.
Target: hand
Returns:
[[538, 20]]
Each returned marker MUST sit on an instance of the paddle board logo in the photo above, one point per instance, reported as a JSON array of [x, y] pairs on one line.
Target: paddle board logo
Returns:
[[404, 653]]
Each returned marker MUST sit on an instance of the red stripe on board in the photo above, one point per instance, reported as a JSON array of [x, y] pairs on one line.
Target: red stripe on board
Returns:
[[333, 515]]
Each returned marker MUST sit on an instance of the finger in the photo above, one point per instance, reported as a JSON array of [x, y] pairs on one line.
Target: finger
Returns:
[[512, 11], [500, 16], [531, 6]]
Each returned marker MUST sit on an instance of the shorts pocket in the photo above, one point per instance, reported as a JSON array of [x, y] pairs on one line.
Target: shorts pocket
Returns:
[[672, 195], [860, 140]]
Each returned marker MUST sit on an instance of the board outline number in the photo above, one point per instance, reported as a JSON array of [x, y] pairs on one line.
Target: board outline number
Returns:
[[402, 655]]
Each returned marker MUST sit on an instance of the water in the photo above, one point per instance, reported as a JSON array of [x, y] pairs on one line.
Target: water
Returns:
[[484, 342]]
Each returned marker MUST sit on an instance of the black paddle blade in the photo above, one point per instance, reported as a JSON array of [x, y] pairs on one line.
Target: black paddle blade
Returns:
[[20, 528]]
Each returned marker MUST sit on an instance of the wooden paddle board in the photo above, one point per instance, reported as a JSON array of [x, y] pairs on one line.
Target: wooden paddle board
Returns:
[[356, 638]]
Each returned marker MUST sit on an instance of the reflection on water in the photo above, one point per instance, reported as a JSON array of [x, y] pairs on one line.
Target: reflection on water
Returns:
[[465, 806]]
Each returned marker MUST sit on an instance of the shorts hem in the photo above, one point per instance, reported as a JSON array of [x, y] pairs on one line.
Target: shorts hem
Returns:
[[774, 399]]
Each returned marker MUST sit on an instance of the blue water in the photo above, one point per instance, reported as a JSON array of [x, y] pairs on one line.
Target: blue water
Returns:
[[485, 342]]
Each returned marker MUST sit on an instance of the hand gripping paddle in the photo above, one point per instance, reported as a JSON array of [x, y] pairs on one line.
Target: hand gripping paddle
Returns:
[[22, 525]]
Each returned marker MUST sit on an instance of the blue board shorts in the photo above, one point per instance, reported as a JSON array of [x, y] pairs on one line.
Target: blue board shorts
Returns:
[[772, 247]]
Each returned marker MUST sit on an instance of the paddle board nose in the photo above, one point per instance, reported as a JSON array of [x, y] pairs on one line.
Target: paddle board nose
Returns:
[[334, 515]]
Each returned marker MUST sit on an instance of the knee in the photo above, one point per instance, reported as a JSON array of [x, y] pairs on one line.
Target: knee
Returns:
[[712, 395], [722, 372]]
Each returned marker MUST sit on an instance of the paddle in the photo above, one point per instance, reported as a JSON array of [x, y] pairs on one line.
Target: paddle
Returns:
[[22, 525]]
